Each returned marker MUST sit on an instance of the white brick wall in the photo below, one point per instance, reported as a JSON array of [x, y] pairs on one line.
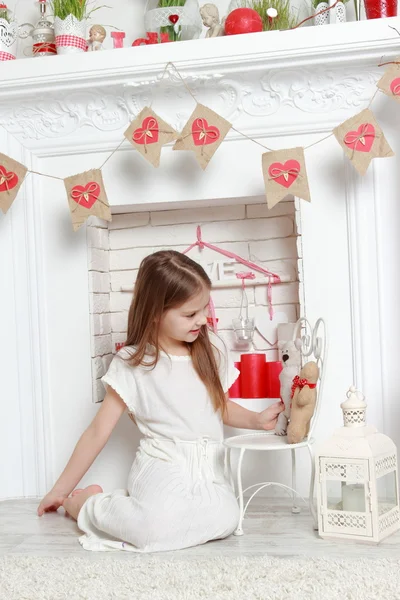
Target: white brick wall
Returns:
[[253, 232]]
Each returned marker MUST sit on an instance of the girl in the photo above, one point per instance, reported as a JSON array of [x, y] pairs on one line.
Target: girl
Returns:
[[173, 375]]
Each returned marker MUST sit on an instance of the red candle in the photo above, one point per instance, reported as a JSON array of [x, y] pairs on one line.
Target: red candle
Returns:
[[272, 371], [376, 9], [253, 380], [235, 390]]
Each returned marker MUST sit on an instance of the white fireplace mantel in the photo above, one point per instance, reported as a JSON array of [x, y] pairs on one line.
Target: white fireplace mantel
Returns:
[[64, 115]]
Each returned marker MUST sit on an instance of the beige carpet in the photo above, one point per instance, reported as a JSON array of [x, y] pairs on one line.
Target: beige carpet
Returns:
[[148, 578]]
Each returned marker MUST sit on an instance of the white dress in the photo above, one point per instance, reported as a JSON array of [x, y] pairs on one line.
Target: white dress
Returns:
[[178, 493]]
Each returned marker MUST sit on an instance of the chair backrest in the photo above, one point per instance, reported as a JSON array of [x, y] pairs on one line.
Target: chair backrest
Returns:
[[313, 347]]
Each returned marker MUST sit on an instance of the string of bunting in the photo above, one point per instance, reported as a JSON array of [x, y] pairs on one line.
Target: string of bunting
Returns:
[[284, 171]]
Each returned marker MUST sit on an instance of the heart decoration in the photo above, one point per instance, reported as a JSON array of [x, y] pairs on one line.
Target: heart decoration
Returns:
[[147, 133], [8, 33], [203, 133], [173, 19], [362, 139], [86, 195], [285, 174], [8, 179], [395, 87]]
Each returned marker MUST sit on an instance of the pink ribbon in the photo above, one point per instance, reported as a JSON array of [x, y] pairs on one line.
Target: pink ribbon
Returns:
[[276, 279]]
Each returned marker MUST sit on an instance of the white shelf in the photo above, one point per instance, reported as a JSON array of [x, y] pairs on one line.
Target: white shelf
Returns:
[[342, 43]]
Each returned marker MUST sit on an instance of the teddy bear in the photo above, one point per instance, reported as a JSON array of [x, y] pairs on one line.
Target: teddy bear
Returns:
[[291, 360], [303, 402]]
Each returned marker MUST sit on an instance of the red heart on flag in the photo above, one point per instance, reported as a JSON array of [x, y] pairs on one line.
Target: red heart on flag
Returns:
[[203, 133], [362, 139], [86, 195], [285, 174], [173, 19], [147, 133], [395, 86], [8, 179]]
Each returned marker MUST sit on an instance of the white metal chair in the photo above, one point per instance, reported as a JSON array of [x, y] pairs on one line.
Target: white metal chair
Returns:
[[313, 347]]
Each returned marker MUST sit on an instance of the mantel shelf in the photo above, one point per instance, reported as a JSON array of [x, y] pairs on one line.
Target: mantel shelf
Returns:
[[342, 44]]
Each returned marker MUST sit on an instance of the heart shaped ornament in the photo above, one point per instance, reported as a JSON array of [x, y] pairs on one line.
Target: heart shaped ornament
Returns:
[[173, 19], [8, 36], [395, 87], [148, 133], [8, 179], [266, 327], [362, 139], [203, 133], [86, 195], [284, 174]]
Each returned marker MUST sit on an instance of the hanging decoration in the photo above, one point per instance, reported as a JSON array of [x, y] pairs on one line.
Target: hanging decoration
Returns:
[[362, 140], [390, 82], [12, 175], [203, 133], [285, 172], [87, 196], [148, 133]]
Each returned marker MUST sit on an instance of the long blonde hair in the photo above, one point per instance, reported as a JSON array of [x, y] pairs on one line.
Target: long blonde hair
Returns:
[[167, 279]]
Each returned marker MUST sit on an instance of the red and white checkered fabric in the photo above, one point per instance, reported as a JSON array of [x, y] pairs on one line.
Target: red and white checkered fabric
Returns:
[[6, 56], [71, 41]]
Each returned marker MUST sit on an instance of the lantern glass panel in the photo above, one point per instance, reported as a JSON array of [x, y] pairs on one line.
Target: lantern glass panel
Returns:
[[345, 496], [386, 487]]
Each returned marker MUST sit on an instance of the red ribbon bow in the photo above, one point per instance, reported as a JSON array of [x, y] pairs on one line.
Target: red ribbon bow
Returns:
[[298, 382]]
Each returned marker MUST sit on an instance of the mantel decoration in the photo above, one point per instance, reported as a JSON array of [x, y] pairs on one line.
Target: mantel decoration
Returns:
[[8, 34], [70, 24], [357, 479], [284, 171], [179, 19]]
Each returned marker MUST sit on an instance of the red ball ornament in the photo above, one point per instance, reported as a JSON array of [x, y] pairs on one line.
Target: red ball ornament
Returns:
[[243, 20]]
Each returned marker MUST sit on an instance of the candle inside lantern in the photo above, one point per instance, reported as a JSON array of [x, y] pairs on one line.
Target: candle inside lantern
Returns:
[[244, 329], [353, 496]]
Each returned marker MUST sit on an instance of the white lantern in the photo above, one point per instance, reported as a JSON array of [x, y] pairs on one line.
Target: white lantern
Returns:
[[357, 479]]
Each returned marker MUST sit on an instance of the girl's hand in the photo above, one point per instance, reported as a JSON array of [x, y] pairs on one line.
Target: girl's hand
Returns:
[[51, 502], [267, 418]]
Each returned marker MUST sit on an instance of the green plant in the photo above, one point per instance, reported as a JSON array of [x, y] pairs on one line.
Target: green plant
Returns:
[[78, 8], [285, 18], [4, 14], [173, 35]]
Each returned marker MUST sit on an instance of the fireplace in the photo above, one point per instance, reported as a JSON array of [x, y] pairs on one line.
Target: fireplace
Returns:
[[59, 298]]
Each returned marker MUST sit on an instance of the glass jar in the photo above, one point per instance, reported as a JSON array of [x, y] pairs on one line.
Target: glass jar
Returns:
[[180, 19]]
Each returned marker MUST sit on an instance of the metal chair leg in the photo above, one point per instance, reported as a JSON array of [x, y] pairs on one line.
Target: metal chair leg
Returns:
[[295, 507], [312, 487], [239, 529]]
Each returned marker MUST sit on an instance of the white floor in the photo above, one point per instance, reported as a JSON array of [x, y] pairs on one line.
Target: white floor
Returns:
[[270, 529]]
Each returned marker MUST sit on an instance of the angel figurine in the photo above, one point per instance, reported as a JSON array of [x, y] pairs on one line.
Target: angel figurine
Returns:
[[97, 36], [210, 15]]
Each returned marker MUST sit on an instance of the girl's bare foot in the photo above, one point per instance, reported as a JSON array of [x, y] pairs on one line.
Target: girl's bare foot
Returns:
[[74, 503]]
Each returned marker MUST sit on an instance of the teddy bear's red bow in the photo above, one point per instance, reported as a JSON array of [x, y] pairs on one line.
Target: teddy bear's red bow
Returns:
[[298, 382]]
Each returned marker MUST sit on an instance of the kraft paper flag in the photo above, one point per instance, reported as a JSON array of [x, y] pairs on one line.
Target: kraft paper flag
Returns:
[[285, 173], [390, 82], [12, 175], [148, 133], [87, 196], [203, 134], [362, 140]]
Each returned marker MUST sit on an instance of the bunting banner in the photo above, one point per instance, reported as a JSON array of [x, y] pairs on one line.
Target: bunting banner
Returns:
[[362, 140], [148, 133], [285, 173], [12, 175], [203, 133], [390, 82], [87, 196]]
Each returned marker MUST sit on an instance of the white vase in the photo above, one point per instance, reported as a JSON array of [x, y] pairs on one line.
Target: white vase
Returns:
[[335, 15], [70, 35], [188, 22], [8, 40]]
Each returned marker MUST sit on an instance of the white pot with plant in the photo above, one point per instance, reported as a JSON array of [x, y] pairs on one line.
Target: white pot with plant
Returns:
[[335, 15], [8, 34], [180, 19], [70, 25]]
